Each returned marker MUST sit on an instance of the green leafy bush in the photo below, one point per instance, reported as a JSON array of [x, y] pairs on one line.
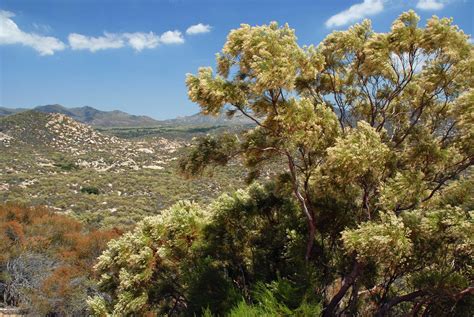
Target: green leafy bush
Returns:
[[90, 190]]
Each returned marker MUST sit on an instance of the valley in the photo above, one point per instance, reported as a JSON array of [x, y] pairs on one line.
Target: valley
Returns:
[[104, 177]]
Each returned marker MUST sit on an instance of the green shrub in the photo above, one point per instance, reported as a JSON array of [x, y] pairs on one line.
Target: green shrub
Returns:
[[90, 190]]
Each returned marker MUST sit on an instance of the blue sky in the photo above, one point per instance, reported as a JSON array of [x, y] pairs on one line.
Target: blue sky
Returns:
[[133, 55]]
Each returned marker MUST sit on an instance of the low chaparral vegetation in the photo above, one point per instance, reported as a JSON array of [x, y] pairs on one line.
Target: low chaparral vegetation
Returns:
[[46, 261], [359, 197], [96, 177]]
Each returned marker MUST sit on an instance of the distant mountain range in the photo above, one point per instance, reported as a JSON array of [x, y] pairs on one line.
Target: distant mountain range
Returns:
[[8, 111], [116, 118], [91, 116]]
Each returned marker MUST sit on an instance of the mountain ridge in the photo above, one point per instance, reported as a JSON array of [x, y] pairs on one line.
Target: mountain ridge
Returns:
[[89, 115], [117, 118]]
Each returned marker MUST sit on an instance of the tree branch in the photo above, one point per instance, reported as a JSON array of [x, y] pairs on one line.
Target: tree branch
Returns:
[[349, 279], [385, 308]]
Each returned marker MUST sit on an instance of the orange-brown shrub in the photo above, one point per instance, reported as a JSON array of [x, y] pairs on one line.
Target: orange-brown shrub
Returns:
[[69, 247]]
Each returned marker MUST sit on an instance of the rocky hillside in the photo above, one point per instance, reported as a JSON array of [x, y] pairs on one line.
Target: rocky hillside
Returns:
[[57, 133], [104, 180], [51, 130]]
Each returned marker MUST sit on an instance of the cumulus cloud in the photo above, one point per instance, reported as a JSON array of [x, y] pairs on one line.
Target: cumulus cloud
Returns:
[[10, 33], [430, 5], [355, 13], [198, 29], [138, 40], [93, 44], [172, 37]]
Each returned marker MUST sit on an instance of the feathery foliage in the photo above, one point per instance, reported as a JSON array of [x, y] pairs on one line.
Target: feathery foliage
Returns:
[[365, 214]]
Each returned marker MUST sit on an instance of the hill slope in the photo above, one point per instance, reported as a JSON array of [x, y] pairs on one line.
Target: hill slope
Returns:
[[53, 160], [53, 130], [49, 134]]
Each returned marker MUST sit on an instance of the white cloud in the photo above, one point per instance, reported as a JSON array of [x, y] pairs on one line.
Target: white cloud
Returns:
[[356, 13], [430, 5], [172, 37], [140, 41], [93, 44], [10, 33], [198, 29]]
